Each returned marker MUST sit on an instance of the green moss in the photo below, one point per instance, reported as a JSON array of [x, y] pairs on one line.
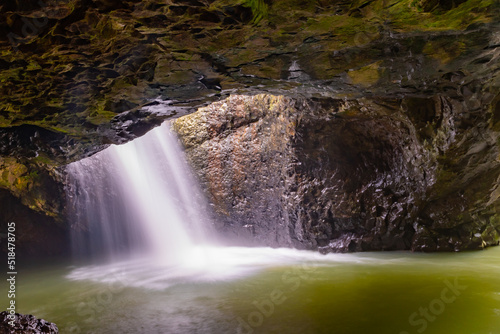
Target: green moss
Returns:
[[10, 74], [43, 160], [444, 51], [182, 56], [55, 102], [406, 15], [98, 114], [59, 129], [472, 11], [32, 66], [260, 9], [34, 176], [445, 179], [229, 39], [11, 108], [26, 181], [14, 176], [346, 27], [367, 75]]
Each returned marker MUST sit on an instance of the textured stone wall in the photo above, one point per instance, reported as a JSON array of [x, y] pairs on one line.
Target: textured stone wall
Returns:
[[79, 75], [37, 235], [241, 149], [347, 175]]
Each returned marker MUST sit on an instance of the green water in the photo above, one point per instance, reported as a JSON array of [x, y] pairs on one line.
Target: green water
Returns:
[[382, 293]]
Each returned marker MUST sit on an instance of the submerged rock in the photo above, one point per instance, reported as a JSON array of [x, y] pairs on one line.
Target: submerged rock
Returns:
[[26, 324]]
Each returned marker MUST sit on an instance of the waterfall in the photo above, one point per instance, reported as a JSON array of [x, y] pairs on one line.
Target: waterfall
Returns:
[[136, 199], [137, 208]]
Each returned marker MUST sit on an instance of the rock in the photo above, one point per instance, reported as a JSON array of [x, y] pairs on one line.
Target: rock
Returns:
[[37, 234], [346, 175], [241, 148], [26, 324], [71, 68], [78, 76]]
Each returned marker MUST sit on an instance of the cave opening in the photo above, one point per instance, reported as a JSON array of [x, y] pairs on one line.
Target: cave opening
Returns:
[[267, 190], [338, 180], [270, 179]]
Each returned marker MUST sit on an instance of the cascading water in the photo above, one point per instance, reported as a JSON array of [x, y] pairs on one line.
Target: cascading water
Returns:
[[138, 207], [137, 199]]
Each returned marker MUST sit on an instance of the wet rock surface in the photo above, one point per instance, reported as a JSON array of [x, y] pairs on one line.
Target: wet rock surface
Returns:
[[26, 324], [89, 71], [37, 235], [420, 80], [346, 175], [242, 150]]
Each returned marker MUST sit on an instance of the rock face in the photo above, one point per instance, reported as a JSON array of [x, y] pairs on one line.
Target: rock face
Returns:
[[348, 175], [93, 72], [79, 75], [37, 235], [26, 324], [242, 150]]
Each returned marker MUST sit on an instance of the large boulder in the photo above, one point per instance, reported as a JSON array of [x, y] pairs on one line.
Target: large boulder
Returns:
[[348, 175]]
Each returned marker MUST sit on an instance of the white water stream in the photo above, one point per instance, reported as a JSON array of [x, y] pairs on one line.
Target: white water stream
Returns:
[[137, 200], [156, 268], [140, 215]]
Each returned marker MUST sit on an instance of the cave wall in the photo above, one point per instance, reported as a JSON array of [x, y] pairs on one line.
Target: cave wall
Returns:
[[32, 196], [79, 75], [348, 175], [95, 72], [241, 149], [37, 235]]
